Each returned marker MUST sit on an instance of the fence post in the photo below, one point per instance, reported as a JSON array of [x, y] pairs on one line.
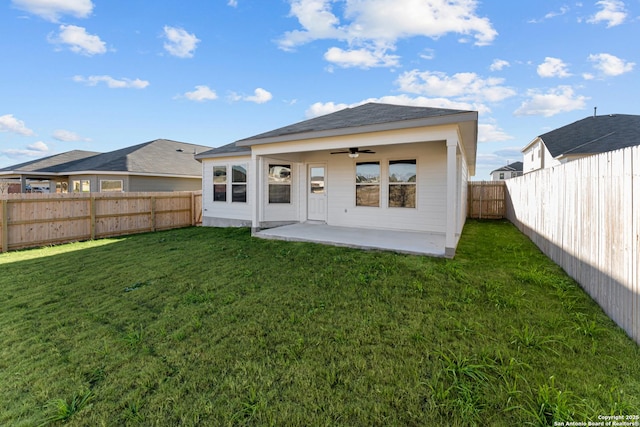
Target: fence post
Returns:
[[5, 225], [153, 213], [193, 208], [92, 213]]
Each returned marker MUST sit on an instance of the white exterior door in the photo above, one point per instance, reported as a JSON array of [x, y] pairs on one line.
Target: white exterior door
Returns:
[[317, 193]]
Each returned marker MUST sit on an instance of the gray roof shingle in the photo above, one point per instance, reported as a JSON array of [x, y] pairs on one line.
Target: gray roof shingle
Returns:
[[511, 167], [160, 156], [363, 115], [594, 134]]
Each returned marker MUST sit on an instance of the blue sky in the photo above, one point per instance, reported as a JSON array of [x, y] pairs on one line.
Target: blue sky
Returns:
[[100, 75]]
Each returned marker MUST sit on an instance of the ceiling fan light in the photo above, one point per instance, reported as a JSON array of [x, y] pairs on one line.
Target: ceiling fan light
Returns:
[[354, 155]]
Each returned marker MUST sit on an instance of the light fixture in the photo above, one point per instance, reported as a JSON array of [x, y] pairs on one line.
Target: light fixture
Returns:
[[354, 155]]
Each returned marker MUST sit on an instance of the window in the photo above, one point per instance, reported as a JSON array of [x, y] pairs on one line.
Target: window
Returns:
[[368, 184], [219, 183], [402, 184], [239, 183], [279, 183], [62, 187], [111, 185], [82, 186], [501, 175]]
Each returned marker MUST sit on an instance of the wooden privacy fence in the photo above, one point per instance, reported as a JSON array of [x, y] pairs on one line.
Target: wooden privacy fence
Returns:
[[585, 216], [31, 220], [486, 200]]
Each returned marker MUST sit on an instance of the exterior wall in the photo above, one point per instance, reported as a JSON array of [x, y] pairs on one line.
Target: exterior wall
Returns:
[[463, 188], [150, 183], [226, 214], [430, 211], [536, 156], [495, 176]]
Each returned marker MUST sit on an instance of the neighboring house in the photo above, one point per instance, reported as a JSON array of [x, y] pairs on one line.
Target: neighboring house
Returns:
[[507, 172], [375, 166], [586, 137], [159, 165]]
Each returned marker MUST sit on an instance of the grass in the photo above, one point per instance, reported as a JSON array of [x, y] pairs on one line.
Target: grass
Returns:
[[204, 326]]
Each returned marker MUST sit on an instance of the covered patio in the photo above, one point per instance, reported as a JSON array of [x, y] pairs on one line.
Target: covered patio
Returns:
[[409, 242]]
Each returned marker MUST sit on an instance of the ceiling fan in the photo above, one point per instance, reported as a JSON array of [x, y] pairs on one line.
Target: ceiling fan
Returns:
[[353, 152]]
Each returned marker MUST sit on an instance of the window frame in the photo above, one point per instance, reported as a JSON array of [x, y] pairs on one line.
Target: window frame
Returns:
[[274, 182], [370, 182], [407, 183], [81, 184], [112, 180], [238, 184], [220, 196]]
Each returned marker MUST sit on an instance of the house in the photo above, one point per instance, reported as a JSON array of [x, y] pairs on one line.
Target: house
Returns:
[[506, 172], [377, 166], [586, 137], [159, 165]]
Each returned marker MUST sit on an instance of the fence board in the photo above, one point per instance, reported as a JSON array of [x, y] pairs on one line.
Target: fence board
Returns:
[[486, 199], [30, 220], [585, 215]]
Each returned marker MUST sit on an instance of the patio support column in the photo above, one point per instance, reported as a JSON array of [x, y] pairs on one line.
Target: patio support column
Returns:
[[452, 214], [23, 184], [256, 166]]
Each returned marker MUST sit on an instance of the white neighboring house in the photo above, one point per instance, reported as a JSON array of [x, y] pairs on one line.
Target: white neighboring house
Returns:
[[509, 171], [375, 166], [586, 137]]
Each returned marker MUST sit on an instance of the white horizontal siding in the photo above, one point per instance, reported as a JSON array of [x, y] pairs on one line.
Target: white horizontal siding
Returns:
[[228, 209]]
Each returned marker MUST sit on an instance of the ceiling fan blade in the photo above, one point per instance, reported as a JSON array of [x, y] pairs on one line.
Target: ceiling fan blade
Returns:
[[366, 151], [339, 152]]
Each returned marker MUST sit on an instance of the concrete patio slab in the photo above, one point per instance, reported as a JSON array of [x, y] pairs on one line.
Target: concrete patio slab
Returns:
[[417, 243]]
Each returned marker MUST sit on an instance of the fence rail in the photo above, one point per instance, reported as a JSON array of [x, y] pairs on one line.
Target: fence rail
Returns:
[[585, 216], [31, 220], [486, 200]]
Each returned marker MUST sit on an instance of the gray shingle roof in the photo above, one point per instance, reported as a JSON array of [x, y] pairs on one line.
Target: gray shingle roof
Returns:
[[225, 151], [594, 134], [347, 119], [363, 115], [511, 167], [161, 157], [51, 163]]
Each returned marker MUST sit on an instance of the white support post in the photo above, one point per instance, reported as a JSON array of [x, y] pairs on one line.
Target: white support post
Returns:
[[257, 183], [452, 202]]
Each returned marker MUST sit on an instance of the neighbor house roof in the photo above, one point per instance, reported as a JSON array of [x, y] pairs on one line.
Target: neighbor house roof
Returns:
[[371, 117], [594, 134], [157, 157], [51, 163], [512, 167]]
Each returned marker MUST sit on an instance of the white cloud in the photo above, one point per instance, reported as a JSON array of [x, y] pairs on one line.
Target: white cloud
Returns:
[[202, 93], [465, 86], [563, 10], [361, 58], [490, 132], [612, 12], [260, 96], [37, 149], [232, 3], [557, 100], [52, 10], [78, 40], [499, 64], [179, 42], [68, 136], [610, 65], [322, 108], [8, 123], [553, 67], [374, 26], [111, 82]]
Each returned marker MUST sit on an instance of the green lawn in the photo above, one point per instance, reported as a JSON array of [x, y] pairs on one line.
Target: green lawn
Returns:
[[204, 326]]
